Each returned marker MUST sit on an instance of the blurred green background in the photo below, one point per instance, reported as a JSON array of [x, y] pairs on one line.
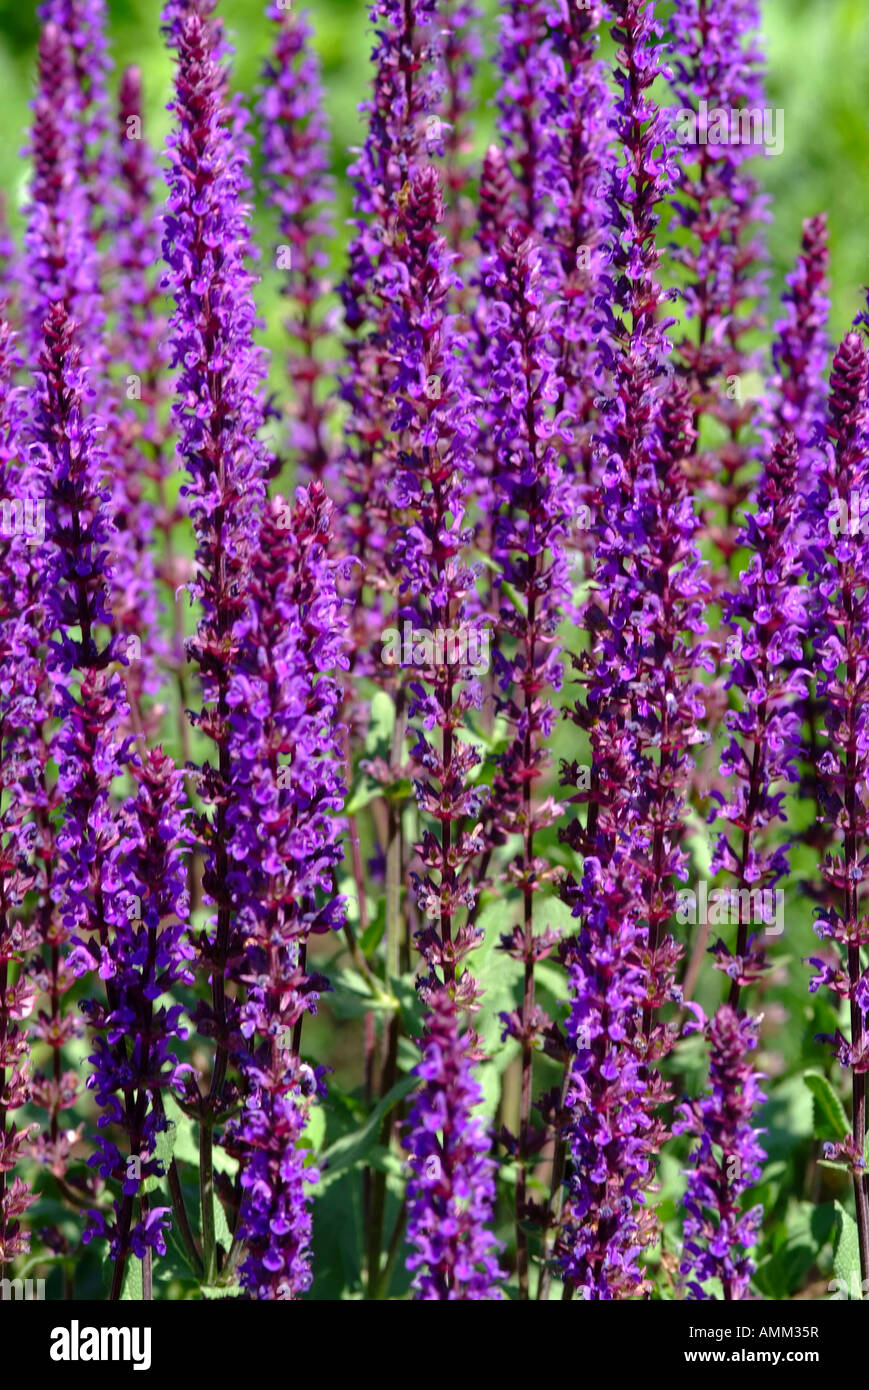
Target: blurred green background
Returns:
[[818, 74]]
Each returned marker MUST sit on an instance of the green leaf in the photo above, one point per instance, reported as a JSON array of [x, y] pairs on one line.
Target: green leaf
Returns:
[[179, 1262], [132, 1290], [315, 1129], [412, 1011], [352, 1149], [220, 1290], [831, 1122], [846, 1254], [699, 842], [798, 1243], [381, 724], [185, 1141], [363, 794], [373, 933], [164, 1151], [350, 996], [339, 1238]]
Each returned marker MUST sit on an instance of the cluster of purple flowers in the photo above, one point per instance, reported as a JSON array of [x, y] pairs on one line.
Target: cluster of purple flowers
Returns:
[[518, 443], [726, 1163]]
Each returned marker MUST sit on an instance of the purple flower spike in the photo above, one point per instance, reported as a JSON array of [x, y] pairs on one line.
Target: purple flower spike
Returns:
[[767, 619], [451, 1191], [578, 118], [138, 440], [461, 51], [219, 407], [20, 712], [434, 420], [718, 67], [649, 580], [642, 707], [89, 702], [85, 94], [296, 156], [146, 956], [840, 582], [403, 132], [59, 259], [612, 1130], [725, 1164], [532, 508], [524, 59], [801, 349], [286, 840], [433, 417], [88, 752]]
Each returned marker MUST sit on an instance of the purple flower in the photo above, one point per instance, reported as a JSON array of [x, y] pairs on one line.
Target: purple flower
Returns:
[[840, 585], [717, 68], [725, 1164], [219, 408], [433, 420], [403, 130], [532, 505], [137, 441], [648, 578], [767, 619], [296, 157], [285, 829], [642, 704], [801, 348], [495, 214], [59, 259], [87, 691], [20, 678], [451, 1190], [145, 956], [85, 93], [574, 220], [70, 205], [461, 50], [611, 1098], [524, 59], [91, 707]]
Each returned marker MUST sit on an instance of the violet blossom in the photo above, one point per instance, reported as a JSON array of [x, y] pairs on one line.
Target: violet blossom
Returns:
[[725, 1164], [460, 53], [840, 585], [295, 145], [435, 588], [88, 701], [533, 502], [59, 259], [451, 1190], [642, 702], [284, 819], [717, 201], [524, 57], [403, 130], [219, 411], [801, 347], [20, 679], [574, 219], [767, 619], [146, 956]]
